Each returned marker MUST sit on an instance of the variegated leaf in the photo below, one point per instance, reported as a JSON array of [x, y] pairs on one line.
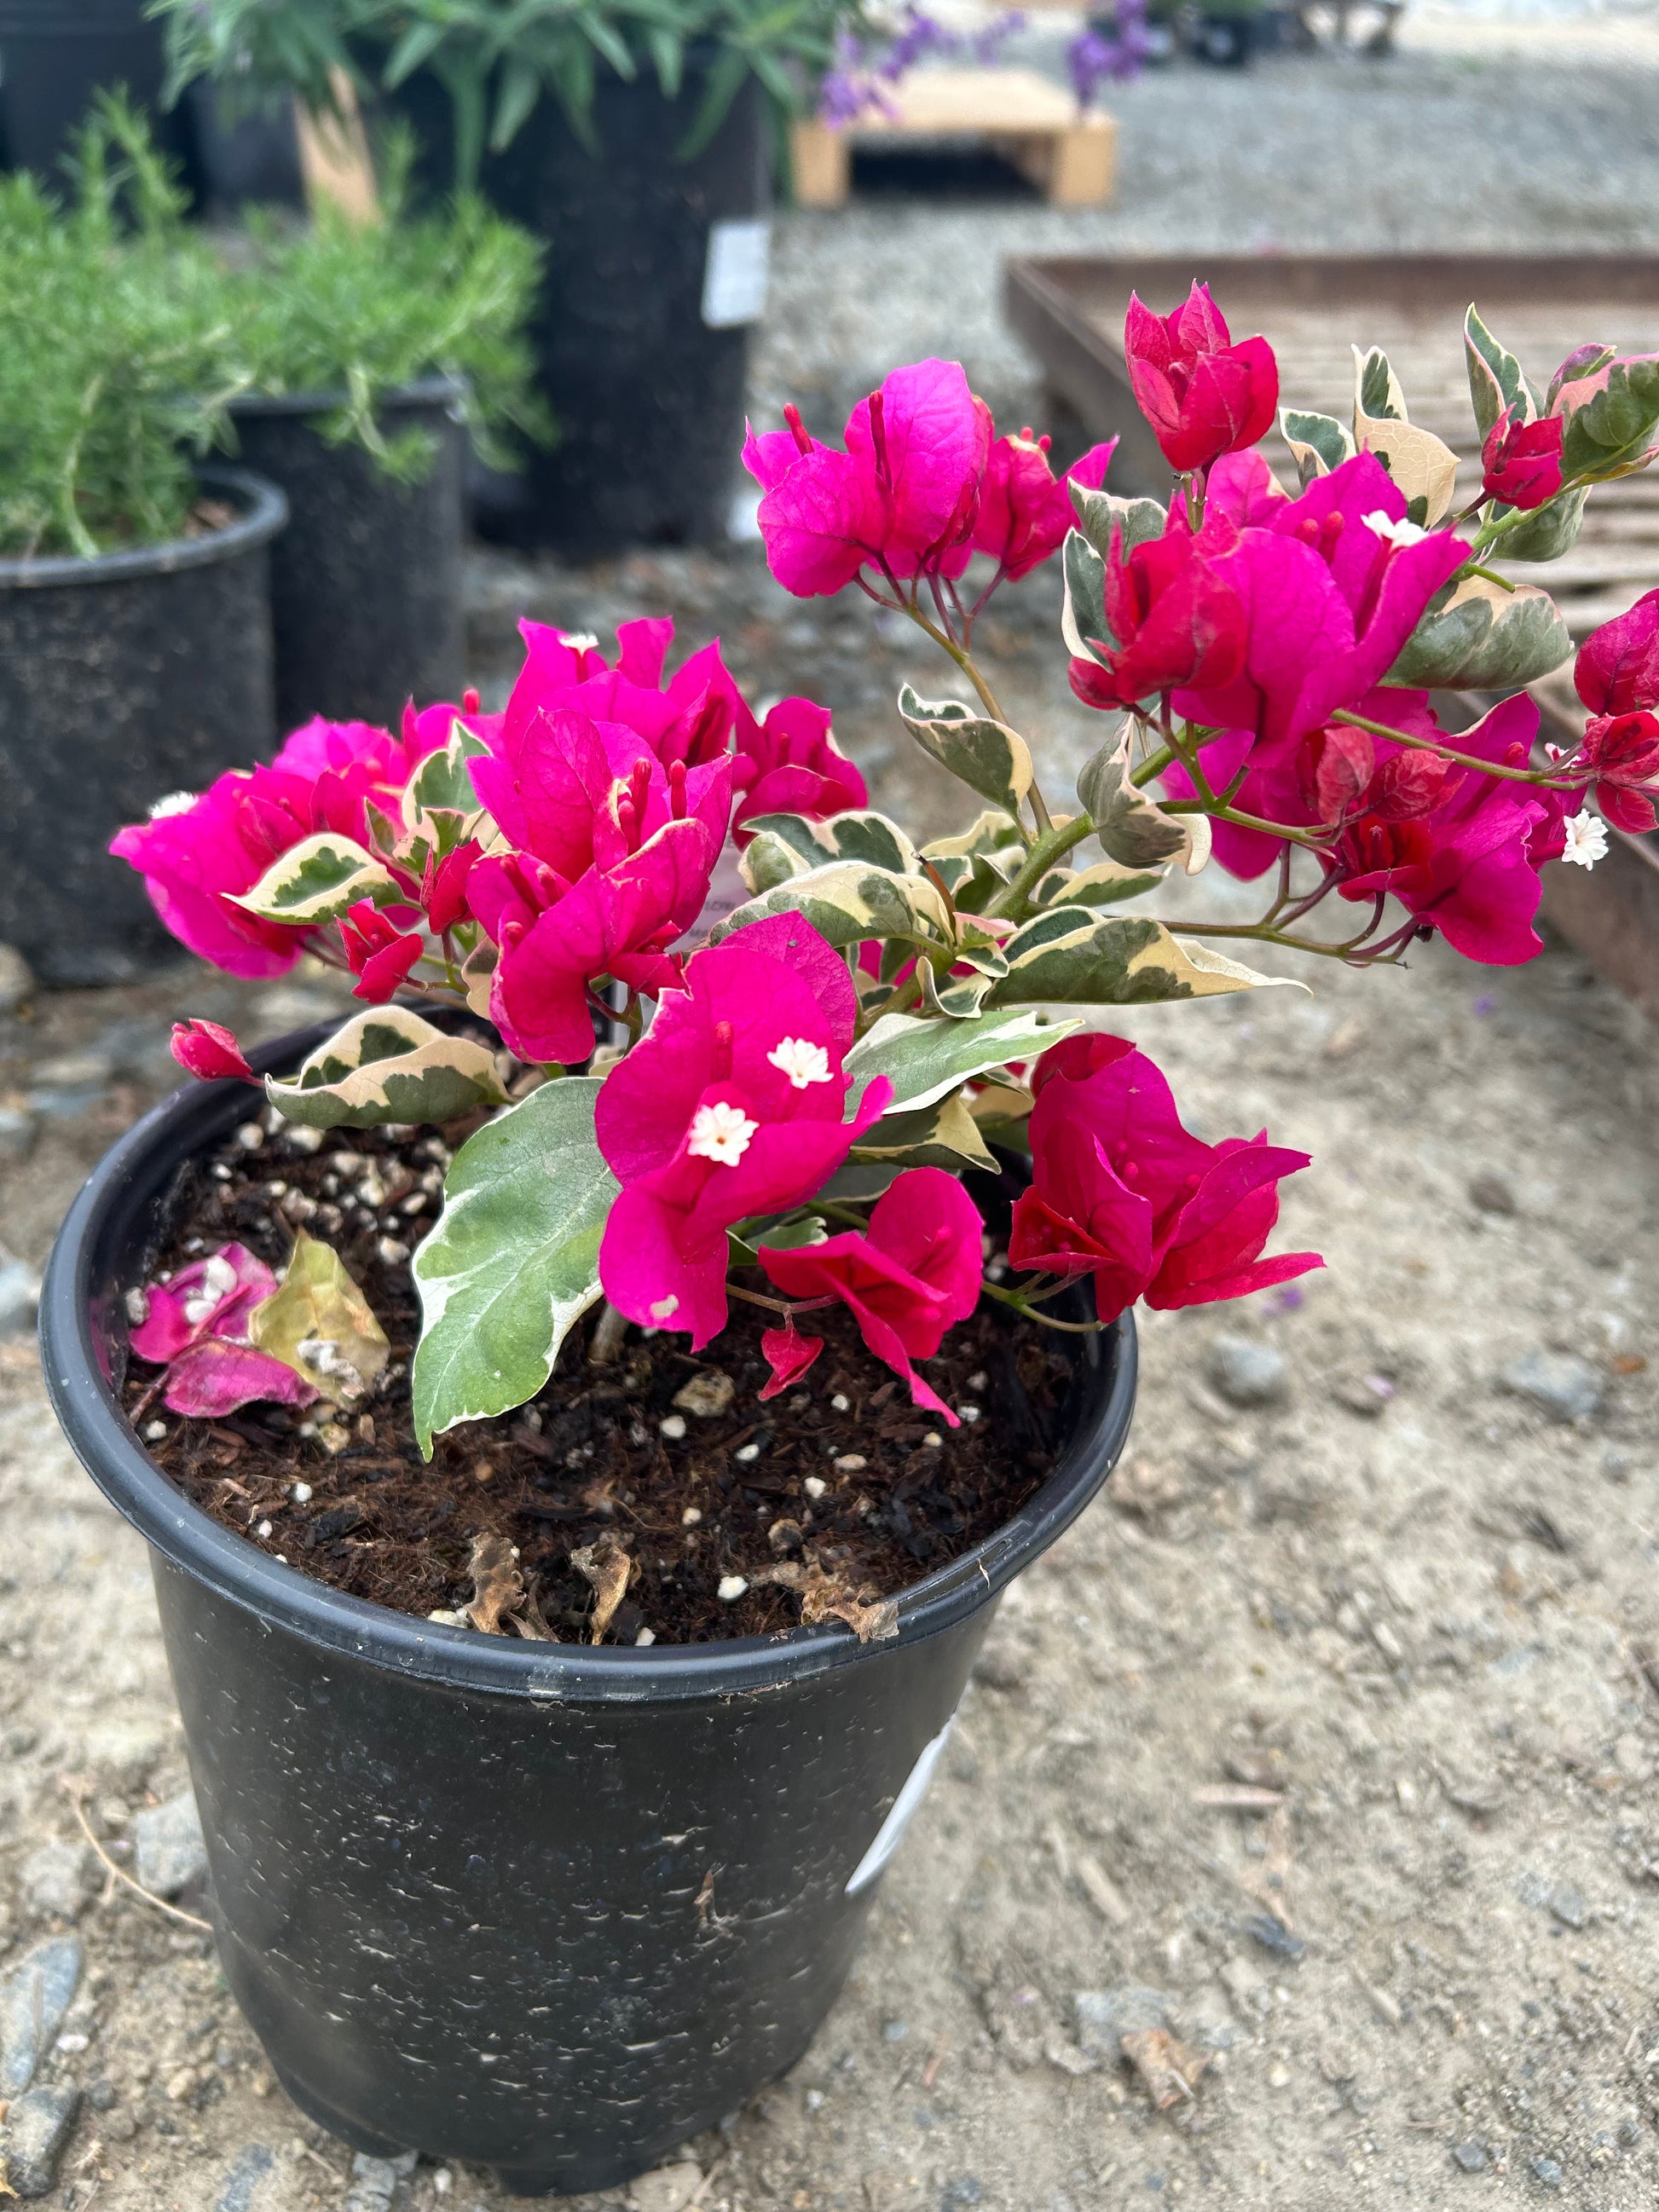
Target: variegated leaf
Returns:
[[319, 1322], [387, 1065], [1102, 513], [1496, 380], [1318, 443], [987, 756], [1121, 960], [1107, 884], [943, 1135], [848, 901], [317, 880], [1476, 636], [785, 846], [1133, 830], [1424, 468], [927, 1061]]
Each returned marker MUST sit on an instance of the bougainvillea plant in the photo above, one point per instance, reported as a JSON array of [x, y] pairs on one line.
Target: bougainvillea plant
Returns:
[[777, 1106]]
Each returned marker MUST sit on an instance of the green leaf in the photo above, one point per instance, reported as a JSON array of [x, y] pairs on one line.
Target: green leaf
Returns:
[[1107, 884], [989, 756], [979, 861], [1131, 827], [513, 1262], [1610, 417], [387, 1065], [928, 1060], [1083, 617], [1476, 636], [317, 880], [785, 846], [319, 1322], [951, 997], [443, 781], [847, 901], [1122, 960], [1548, 533], [1495, 381], [1318, 443], [1102, 513], [1424, 467], [943, 1135]]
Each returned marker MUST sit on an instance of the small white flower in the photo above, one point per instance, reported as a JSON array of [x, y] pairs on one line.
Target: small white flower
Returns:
[[801, 1061], [720, 1133], [176, 802], [578, 641], [1587, 840], [1400, 533]]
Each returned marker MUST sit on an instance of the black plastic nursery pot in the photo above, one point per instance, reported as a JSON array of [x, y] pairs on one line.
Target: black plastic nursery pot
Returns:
[[366, 581], [122, 678], [545, 1908], [655, 272], [55, 54]]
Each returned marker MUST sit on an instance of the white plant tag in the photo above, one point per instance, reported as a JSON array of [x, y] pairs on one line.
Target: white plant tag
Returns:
[[891, 1834], [734, 275]]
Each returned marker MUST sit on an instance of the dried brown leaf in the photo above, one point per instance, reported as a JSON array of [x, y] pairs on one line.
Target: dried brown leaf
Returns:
[[872, 1618], [497, 1585], [1168, 2071], [604, 1565]]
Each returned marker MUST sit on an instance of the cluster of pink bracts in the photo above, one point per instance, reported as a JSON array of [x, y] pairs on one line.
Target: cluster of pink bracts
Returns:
[[1258, 617]]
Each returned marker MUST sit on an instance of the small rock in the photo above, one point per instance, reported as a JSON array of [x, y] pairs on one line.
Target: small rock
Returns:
[[707, 1395], [1247, 1373], [33, 1999], [1105, 2017], [19, 1298], [1474, 2157], [16, 982], [1492, 1195], [247, 2181], [730, 1588], [894, 2031], [124, 1753], [1270, 1933], [1279, 2075], [55, 1880], [961, 2193], [1547, 2171], [1565, 1389], [374, 2182], [672, 1425], [1568, 1905], [37, 2128], [1364, 1395], [16, 1132], [169, 1854], [666, 2188]]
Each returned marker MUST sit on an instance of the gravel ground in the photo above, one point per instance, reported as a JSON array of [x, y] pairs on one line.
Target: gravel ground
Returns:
[[1333, 1727]]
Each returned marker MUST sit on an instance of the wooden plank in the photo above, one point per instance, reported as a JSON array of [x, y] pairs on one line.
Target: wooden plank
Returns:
[[1069, 311], [1036, 123]]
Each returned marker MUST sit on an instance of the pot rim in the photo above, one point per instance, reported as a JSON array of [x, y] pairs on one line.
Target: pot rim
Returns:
[[435, 390], [264, 512], [110, 1212]]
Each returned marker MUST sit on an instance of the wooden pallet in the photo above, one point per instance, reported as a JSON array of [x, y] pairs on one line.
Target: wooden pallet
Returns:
[[1071, 313], [1072, 156]]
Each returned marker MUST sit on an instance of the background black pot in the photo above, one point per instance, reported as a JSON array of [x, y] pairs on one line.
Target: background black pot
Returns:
[[366, 580], [123, 678], [54, 54], [648, 393], [546, 1908]]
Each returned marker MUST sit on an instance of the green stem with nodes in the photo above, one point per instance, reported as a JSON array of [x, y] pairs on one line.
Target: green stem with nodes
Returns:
[[1029, 1313], [1153, 765], [1462, 760], [1052, 845]]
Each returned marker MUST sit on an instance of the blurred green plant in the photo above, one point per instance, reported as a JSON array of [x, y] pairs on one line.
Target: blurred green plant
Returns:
[[127, 334], [497, 58], [113, 339]]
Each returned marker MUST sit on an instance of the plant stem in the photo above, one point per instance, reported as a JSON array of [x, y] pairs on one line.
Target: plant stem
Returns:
[[1029, 1313], [1462, 760], [1052, 846]]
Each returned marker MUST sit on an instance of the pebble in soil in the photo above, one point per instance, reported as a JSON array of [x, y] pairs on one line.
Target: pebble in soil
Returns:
[[709, 1490]]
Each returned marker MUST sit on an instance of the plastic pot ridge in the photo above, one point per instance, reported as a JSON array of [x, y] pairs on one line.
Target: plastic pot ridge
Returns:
[[550, 1909]]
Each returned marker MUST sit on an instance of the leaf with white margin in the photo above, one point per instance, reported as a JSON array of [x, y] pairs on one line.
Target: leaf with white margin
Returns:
[[443, 781], [1496, 381], [1423, 467], [1319, 443], [316, 880], [1121, 960], [1133, 830], [784, 846], [1476, 636], [987, 756], [513, 1262], [387, 1065], [925, 1060], [942, 1135], [1107, 884], [848, 901], [1101, 513], [1548, 532]]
